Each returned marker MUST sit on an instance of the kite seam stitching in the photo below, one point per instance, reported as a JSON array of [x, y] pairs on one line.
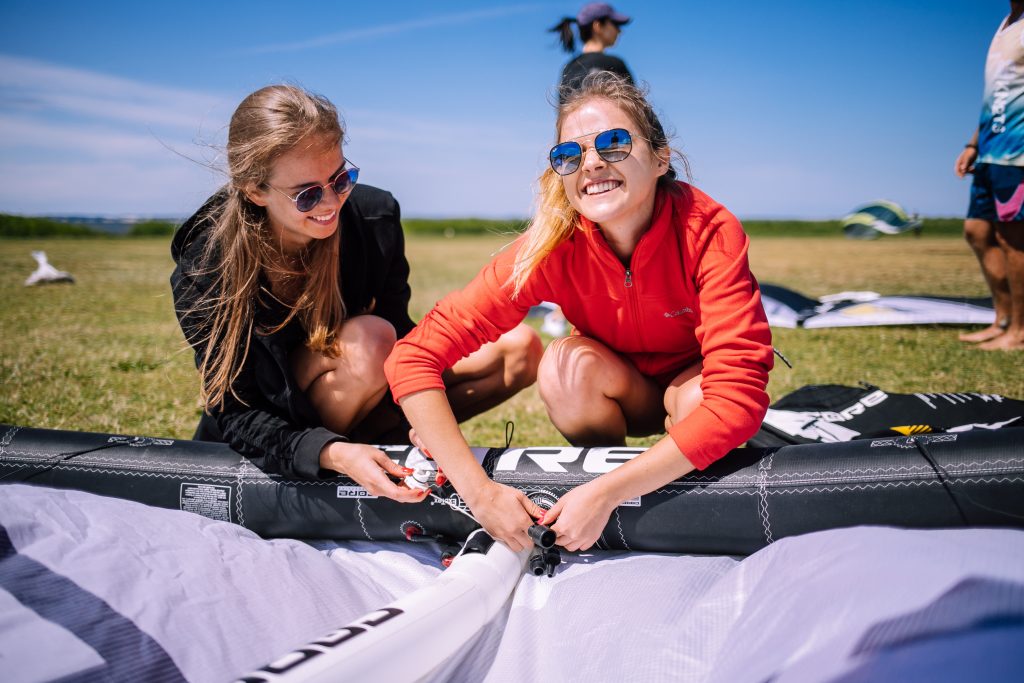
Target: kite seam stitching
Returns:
[[362, 522], [851, 487], [622, 533], [763, 467]]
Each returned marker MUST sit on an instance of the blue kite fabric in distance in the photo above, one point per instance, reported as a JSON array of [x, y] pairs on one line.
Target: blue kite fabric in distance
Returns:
[[790, 309], [830, 413], [878, 218]]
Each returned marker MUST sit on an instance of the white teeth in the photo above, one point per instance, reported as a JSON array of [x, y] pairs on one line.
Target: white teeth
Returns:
[[603, 186], [324, 219]]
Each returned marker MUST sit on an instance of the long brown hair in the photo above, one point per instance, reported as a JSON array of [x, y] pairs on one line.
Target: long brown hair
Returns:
[[267, 124], [555, 220]]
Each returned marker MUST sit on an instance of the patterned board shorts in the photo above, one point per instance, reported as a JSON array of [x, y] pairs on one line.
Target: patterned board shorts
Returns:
[[997, 193]]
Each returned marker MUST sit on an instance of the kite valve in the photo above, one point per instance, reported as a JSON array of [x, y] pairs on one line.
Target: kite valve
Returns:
[[552, 558], [536, 564], [422, 478], [541, 535]]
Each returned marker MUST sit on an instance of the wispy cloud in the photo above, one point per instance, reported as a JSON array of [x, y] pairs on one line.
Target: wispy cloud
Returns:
[[73, 137], [393, 28], [75, 140], [107, 187], [466, 132], [32, 87]]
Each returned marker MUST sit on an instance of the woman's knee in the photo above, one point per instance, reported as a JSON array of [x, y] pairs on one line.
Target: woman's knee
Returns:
[[362, 345], [573, 367], [522, 351], [684, 394], [367, 335]]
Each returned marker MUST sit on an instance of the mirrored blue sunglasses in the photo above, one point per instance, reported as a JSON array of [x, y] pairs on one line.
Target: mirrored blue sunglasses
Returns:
[[611, 145]]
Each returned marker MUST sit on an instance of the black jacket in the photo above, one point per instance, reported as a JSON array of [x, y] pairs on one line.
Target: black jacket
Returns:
[[278, 429], [585, 64]]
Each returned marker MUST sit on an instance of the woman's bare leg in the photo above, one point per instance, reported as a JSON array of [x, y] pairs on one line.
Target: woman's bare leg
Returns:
[[494, 373], [683, 395], [345, 390], [594, 396]]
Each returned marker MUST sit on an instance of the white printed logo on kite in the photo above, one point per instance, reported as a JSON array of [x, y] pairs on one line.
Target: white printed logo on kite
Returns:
[[140, 441], [355, 492], [453, 501], [553, 460]]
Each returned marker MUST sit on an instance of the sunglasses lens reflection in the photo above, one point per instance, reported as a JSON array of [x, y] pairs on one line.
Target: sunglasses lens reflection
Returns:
[[565, 158], [309, 198], [345, 180], [613, 145]]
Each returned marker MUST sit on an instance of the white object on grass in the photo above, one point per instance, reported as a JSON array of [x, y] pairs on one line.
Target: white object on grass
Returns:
[[45, 272]]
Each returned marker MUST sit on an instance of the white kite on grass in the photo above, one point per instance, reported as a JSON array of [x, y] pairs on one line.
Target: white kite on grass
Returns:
[[45, 272]]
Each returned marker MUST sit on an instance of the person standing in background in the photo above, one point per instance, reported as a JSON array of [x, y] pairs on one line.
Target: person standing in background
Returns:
[[599, 26], [994, 227]]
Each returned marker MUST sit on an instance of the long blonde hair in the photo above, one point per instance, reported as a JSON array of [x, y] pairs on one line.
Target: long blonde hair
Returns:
[[267, 124], [555, 220]]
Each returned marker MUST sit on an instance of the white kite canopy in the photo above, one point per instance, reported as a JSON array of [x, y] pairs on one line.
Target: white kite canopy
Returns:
[[440, 619], [94, 587], [788, 308], [45, 273]]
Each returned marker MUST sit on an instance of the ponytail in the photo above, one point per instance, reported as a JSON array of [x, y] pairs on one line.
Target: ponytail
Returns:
[[565, 35]]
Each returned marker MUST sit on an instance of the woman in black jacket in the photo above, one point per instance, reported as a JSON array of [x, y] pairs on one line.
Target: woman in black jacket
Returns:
[[292, 286], [599, 26]]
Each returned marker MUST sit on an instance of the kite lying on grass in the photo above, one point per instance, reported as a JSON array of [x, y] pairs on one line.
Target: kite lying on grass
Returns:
[[788, 308], [873, 220], [45, 273]]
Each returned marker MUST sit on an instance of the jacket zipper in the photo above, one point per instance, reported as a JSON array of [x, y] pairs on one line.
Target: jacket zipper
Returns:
[[634, 306]]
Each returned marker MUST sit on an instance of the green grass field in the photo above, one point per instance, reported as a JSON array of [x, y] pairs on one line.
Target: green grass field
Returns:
[[106, 354]]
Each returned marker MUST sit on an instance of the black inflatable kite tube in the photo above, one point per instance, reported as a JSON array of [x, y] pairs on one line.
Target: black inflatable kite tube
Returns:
[[747, 500]]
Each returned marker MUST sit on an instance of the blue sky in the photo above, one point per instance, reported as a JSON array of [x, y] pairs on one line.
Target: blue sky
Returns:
[[785, 109]]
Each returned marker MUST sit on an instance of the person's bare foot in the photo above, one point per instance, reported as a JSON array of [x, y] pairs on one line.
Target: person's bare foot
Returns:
[[991, 332], [1005, 342]]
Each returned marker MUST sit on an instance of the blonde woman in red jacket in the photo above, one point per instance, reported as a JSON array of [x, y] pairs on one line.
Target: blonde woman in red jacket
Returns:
[[670, 334]]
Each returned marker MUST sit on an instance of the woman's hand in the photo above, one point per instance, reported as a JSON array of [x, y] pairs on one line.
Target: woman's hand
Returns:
[[965, 162], [505, 513], [580, 516], [370, 468]]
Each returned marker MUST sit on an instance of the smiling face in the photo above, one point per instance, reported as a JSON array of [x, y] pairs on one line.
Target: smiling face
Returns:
[[618, 197], [295, 170]]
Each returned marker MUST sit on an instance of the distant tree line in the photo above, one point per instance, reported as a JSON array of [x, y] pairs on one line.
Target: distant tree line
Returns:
[[33, 227], [451, 227], [463, 226]]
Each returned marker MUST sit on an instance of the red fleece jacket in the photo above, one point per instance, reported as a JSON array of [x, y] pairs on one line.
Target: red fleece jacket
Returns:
[[687, 295]]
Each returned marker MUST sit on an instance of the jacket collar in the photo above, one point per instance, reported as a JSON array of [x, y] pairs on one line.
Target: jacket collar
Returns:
[[661, 226]]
